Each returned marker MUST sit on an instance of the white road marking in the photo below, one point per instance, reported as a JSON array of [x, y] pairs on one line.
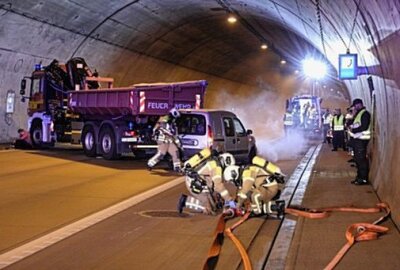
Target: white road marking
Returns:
[[21, 252], [277, 258]]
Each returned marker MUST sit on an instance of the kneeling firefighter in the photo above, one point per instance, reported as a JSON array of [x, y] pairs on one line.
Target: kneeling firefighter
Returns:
[[205, 183], [260, 183], [165, 133]]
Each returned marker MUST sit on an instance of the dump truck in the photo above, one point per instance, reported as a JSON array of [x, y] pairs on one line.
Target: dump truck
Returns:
[[69, 103]]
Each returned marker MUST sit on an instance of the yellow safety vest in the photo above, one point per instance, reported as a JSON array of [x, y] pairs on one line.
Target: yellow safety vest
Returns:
[[363, 135], [338, 123]]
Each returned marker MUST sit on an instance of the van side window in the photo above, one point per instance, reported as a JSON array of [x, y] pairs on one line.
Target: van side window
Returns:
[[229, 128], [191, 124], [239, 129]]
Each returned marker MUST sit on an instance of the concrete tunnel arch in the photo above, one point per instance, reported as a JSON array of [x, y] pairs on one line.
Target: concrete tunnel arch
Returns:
[[148, 41]]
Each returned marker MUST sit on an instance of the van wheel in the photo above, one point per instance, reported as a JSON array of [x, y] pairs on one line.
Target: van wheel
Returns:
[[108, 144], [89, 141], [37, 134]]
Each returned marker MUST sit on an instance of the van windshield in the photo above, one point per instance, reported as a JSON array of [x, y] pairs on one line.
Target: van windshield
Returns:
[[191, 124]]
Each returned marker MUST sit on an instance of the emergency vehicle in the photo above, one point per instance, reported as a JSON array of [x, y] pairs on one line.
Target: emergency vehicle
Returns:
[[303, 113], [68, 103]]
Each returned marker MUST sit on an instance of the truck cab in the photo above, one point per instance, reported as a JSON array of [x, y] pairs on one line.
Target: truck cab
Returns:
[[46, 109]]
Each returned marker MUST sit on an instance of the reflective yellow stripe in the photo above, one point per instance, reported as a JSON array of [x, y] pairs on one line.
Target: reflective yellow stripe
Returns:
[[363, 135]]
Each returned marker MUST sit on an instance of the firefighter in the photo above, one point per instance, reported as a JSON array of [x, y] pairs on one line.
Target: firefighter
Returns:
[[165, 133], [338, 130], [205, 183], [361, 134], [261, 184]]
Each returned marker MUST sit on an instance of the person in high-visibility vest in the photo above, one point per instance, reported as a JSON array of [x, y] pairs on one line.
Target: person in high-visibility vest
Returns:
[[326, 120], [361, 134], [338, 130]]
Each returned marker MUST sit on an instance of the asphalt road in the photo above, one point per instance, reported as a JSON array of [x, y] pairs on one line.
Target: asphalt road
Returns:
[[42, 191]]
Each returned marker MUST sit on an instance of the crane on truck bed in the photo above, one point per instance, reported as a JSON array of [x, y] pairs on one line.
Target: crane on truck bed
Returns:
[[68, 103]]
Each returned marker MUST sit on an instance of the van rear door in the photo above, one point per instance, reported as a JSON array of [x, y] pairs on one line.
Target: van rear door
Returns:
[[192, 128]]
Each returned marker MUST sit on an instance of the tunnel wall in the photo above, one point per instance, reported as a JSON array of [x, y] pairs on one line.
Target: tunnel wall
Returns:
[[383, 149]]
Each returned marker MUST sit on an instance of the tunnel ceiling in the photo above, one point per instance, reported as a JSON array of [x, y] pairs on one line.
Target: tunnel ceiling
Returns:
[[190, 33]]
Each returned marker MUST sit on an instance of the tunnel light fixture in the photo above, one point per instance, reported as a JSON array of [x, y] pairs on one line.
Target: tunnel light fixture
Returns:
[[283, 61], [264, 46], [314, 69], [232, 19]]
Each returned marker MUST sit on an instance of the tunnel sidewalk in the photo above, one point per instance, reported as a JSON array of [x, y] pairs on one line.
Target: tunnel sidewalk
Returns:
[[316, 241]]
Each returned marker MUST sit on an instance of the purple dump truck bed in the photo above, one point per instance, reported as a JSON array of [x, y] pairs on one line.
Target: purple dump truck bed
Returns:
[[139, 99]]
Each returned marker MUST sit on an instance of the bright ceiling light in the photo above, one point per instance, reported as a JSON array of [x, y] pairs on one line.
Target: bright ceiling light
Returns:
[[283, 61], [264, 46], [314, 69], [232, 19]]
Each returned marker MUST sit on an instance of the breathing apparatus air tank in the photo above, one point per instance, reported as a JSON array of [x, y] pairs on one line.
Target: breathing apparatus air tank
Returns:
[[197, 159], [266, 165]]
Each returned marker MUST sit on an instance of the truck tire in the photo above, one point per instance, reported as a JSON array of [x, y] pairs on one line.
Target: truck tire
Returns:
[[89, 141], [108, 145], [37, 134]]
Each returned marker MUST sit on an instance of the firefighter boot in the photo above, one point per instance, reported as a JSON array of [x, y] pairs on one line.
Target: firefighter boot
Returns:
[[275, 207], [181, 203]]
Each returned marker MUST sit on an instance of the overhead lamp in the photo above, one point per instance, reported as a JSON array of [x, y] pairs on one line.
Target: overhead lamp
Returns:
[[283, 61], [296, 72], [264, 46], [314, 69], [232, 19]]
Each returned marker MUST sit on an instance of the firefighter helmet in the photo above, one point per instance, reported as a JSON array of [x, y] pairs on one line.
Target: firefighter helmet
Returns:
[[227, 159], [175, 113], [232, 174]]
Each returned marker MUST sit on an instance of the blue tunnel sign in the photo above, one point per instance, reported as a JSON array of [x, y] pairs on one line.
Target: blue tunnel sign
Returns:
[[348, 66]]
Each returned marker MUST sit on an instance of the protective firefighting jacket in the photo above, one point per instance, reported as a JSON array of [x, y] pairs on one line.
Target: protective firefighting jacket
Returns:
[[209, 169], [258, 175], [165, 130]]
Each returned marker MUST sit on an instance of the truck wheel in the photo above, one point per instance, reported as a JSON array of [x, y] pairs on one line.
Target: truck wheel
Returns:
[[108, 144], [37, 134], [89, 141]]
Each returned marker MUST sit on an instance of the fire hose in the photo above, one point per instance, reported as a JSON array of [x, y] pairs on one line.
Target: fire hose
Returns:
[[354, 233], [215, 249]]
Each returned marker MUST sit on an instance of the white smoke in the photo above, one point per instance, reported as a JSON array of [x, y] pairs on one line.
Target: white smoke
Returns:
[[263, 112]]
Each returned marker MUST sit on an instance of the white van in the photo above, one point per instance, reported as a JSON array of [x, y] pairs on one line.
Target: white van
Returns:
[[220, 130]]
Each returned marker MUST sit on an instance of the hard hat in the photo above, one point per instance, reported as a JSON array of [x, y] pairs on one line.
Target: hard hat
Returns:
[[231, 173], [175, 113], [227, 159]]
